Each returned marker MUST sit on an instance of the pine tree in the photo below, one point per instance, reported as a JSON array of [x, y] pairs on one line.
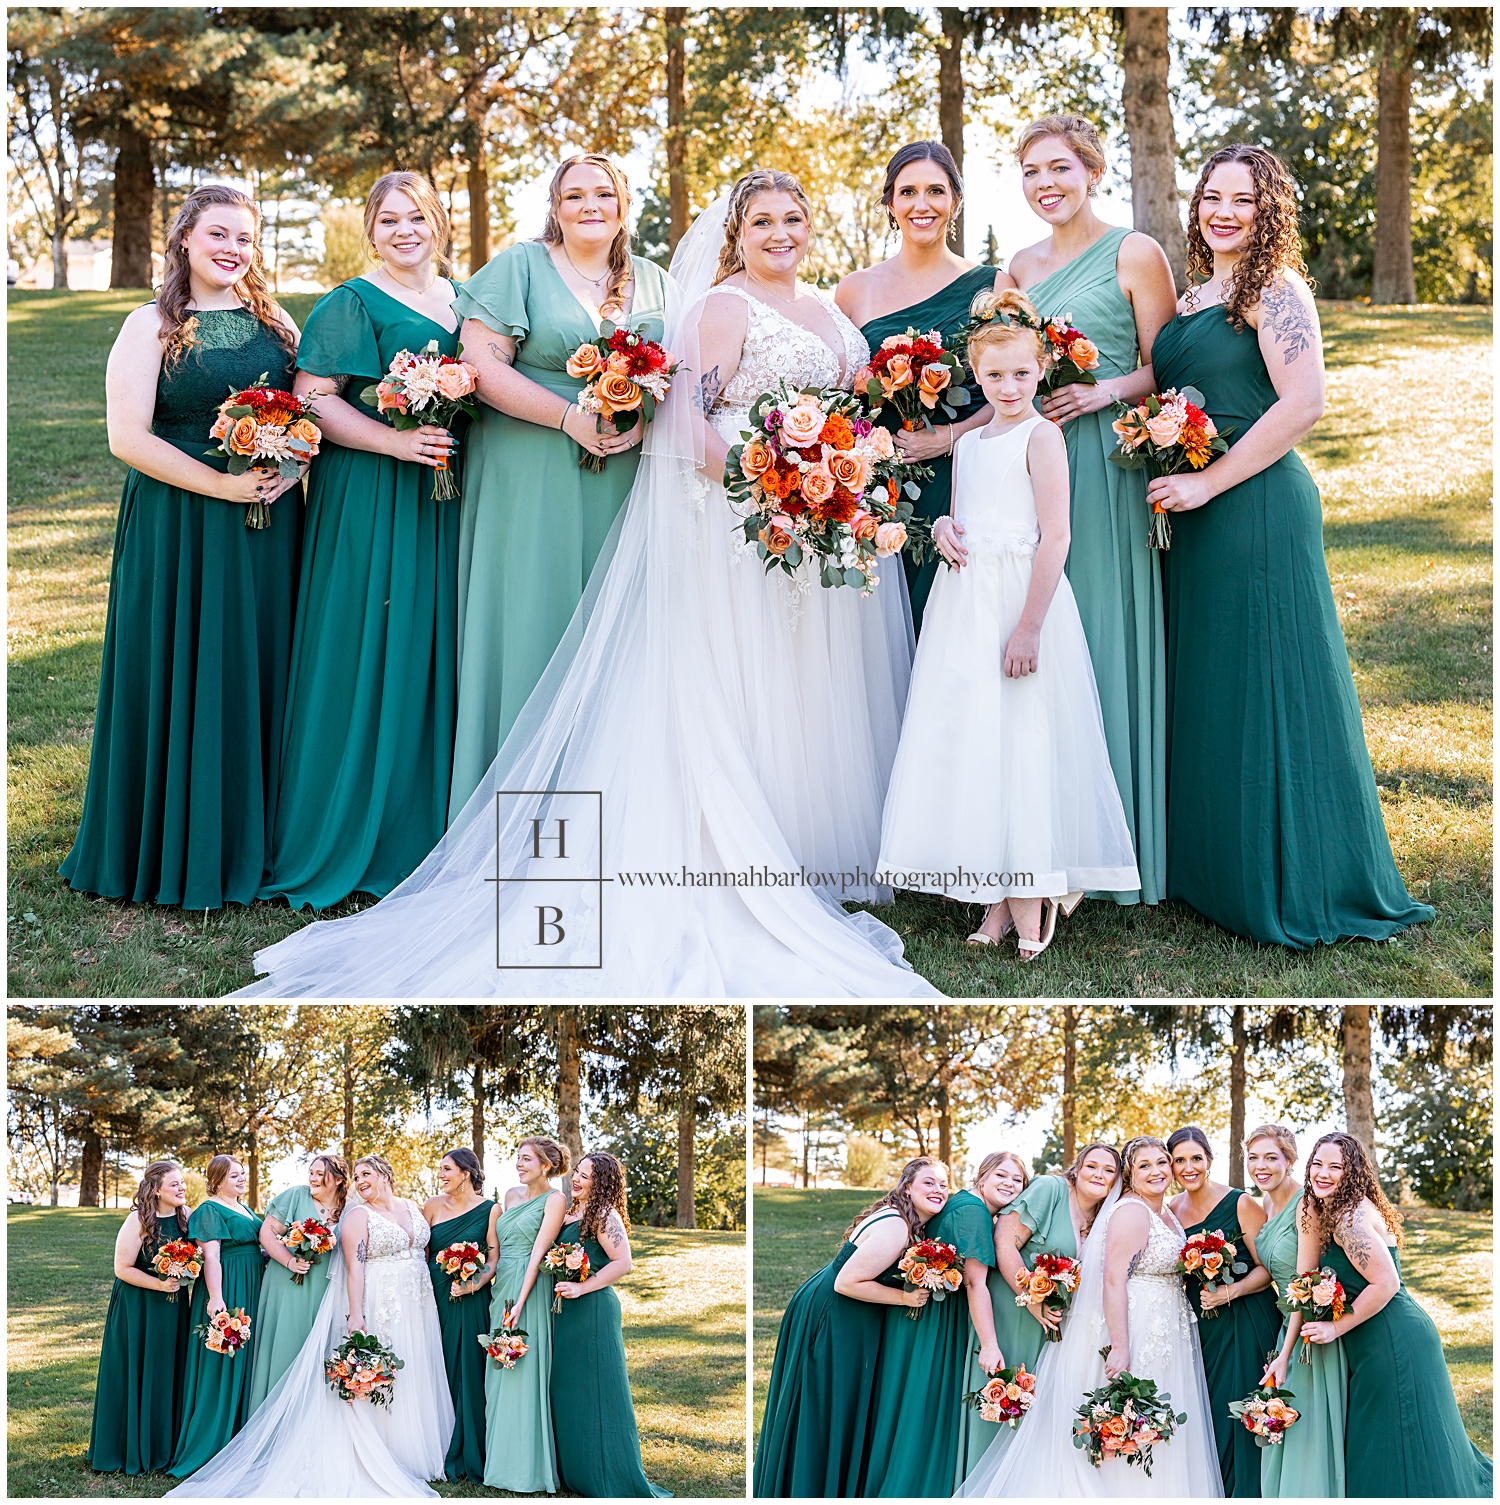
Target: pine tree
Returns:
[[991, 256]]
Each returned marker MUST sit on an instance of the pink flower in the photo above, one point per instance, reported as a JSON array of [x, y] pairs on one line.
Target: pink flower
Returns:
[[222, 425], [389, 399], [817, 484], [889, 537], [574, 1261], [882, 446], [802, 425], [455, 381], [1166, 428], [1323, 1294]]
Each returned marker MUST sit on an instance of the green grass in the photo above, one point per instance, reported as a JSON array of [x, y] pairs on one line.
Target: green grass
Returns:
[[1407, 529], [684, 1308], [1448, 1266]]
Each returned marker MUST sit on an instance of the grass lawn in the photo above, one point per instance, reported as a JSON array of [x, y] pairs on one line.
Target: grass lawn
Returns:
[[684, 1308], [1407, 529], [1447, 1264]]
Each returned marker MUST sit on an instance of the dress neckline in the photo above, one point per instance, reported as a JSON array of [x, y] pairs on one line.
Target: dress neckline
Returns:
[[593, 318], [841, 357], [1087, 251], [897, 313], [392, 298], [411, 1234]]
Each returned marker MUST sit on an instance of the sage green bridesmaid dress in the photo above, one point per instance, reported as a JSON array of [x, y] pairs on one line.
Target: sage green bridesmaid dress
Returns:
[[533, 520], [462, 1321], [1403, 1436], [815, 1433], [287, 1309], [186, 754], [948, 311], [1308, 1462], [1115, 576], [369, 736], [923, 1364], [520, 1454], [593, 1417], [1274, 828], [1235, 1343], [138, 1395], [216, 1386]]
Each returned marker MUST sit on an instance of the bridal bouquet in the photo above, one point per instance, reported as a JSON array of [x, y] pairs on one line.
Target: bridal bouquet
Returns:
[[261, 428], [931, 1266], [506, 1346], [460, 1261], [363, 1368], [915, 375], [624, 376], [1051, 1281], [428, 387], [225, 1332], [1210, 1259], [1318, 1295], [566, 1262], [1006, 1397], [307, 1240], [1072, 358], [1164, 435], [178, 1259], [1265, 1413], [1124, 1419]]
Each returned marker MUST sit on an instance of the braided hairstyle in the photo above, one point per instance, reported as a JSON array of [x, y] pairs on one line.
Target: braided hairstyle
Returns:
[[144, 1203], [606, 1195], [336, 1168], [619, 250], [381, 1166], [1325, 1216], [741, 196], [899, 1197]]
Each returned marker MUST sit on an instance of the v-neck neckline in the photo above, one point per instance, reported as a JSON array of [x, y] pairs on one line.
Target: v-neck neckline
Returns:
[[411, 1233], [842, 357], [594, 319], [242, 1211], [417, 311]]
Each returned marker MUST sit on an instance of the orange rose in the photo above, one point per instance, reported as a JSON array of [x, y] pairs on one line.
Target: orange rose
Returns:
[[619, 363], [837, 432], [889, 537], [241, 440], [1192, 1257], [1114, 1426], [756, 459], [880, 444], [933, 381], [1041, 1287], [802, 425], [953, 1279], [585, 361], [388, 399], [1084, 354], [1026, 1381], [455, 381], [1166, 428], [849, 468], [222, 424], [817, 486], [307, 431], [777, 535], [1212, 1263], [863, 524], [897, 374], [617, 394]]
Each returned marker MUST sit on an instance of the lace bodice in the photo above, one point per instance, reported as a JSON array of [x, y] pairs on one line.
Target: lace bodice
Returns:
[[395, 1270], [388, 1239], [1159, 1314], [1163, 1246]]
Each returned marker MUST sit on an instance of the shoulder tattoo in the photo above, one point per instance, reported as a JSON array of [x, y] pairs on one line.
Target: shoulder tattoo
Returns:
[[1291, 325]]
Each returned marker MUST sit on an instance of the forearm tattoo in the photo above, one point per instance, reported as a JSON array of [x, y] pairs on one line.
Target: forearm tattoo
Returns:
[[708, 388], [503, 356], [1291, 325]]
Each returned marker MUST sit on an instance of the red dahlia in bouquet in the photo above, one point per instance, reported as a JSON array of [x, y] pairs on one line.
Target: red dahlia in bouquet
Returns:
[[1051, 1281], [261, 428], [624, 376], [931, 1266], [1318, 1295], [1164, 435], [460, 1261], [363, 1368], [178, 1259], [1210, 1259], [1073, 359], [1006, 1397], [225, 1332], [428, 387], [917, 377], [307, 1240]]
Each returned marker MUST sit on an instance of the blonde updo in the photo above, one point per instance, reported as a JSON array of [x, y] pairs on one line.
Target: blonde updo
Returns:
[[1002, 317], [380, 1165], [741, 196], [1081, 136]]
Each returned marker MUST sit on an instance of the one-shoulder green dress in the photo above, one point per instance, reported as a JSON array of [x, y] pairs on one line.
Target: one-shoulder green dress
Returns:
[[462, 1321], [1274, 828], [186, 754], [947, 311], [1403, 1437], [216, 1386], [533, 520], [138, 1395], [815, 1433], [520, 1454], [1115, 575], [287, 1309], [1308, 1462], [369, 737]]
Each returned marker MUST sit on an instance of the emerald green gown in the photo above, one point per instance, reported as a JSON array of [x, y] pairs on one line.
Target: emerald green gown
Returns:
[[948, 311], [369, 735], [1404, 1437], [533, 521], [593, 1417], [1115, 575], [287, 1309], [815, 1433], [187, 733], [216, 1386], [1235, 1342], [1308, 1462], [923, 1365], [462, 1321], [138, 1395], [520, 1454], [1274, 828]]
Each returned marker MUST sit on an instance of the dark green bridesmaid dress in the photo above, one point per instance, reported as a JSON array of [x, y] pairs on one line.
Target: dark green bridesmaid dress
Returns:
[[1403, 1434], [919, 1417], [948, 311], [138, 1396], [216, 1386], [1236, 1340], [187, 733], [1274, 828], [369, 735], [462, 1321], [815, 1432], [593, 1417]]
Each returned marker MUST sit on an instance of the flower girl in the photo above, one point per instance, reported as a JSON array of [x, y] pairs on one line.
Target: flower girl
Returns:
[[1002, 785]]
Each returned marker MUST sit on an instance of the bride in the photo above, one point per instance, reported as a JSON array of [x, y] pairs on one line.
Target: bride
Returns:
[[716, 743], [1130, 1293], [303, 1441]]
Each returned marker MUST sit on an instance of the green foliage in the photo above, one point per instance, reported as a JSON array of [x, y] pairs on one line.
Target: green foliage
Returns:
[[1442, 1128], [646, 1145], [1453, 196], [867, 1162]]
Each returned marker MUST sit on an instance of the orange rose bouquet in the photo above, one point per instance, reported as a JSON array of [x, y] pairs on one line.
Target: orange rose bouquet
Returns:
[[1164, 435], [1051, 1281], [917, 377], [566, 1262], [307, 1240], [1072, 359], [1318, 1295], [460, 1261], [178, 1259], [931, 1266], [1006, 1397], [428, 387], [1211, 1260], [1124, 1419], [363, 1368], [506, 1346], [225, 1332], [1265, 1413], [260, 428], [624, 376]]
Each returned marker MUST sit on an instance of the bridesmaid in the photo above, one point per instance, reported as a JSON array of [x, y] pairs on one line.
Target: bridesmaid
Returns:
[[216, 1386], [187, 735], [1116, 286], [369, 739], [520, 1454], [1236, 1341], [287, 1309], [924, 286], [533, 521], [1266, 749], [1403, 1435], [593, 1418], [929, 1359], [138, 1396], [1308, 1462], [462, 1214], [815, 1431]]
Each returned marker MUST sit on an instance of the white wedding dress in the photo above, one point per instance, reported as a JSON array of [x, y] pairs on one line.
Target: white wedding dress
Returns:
[[1039, 1459], [303, 1442]]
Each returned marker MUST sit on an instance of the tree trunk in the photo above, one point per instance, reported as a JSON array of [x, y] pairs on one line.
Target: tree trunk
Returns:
[[1393, 280], [567, 1083], [477, 1128], [1153, 143], [349, 1101], [135, 194], [806, 1152], [1237, 1099], [91, 1170], [1070, 1083], [677, 188], [254, 1191], [687, 1123], [60, 275], [1359, 1101], [951, 104], [479, 209]]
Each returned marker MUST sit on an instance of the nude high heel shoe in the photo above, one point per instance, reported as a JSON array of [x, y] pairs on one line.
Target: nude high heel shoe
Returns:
[[1028, 951], [979, 938]]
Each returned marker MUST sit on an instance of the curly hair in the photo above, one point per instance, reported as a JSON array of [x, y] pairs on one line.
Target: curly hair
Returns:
[[606, 1195], [1071, 1174], [1356, 1185], [899, 1197], [620, 269], [1275, 244], [144, 1203], [741, 196], [1128, 1154], [336, 1168], [425, 197]]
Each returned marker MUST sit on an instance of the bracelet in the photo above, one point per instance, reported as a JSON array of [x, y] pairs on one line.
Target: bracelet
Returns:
[[950, 438], [561, 421]]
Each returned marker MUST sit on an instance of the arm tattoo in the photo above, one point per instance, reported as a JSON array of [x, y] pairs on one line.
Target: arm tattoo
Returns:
[[1135, 1260], [1291, 324], [359, 1251], [708, 389], [1358, 1245], [503, 357]]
